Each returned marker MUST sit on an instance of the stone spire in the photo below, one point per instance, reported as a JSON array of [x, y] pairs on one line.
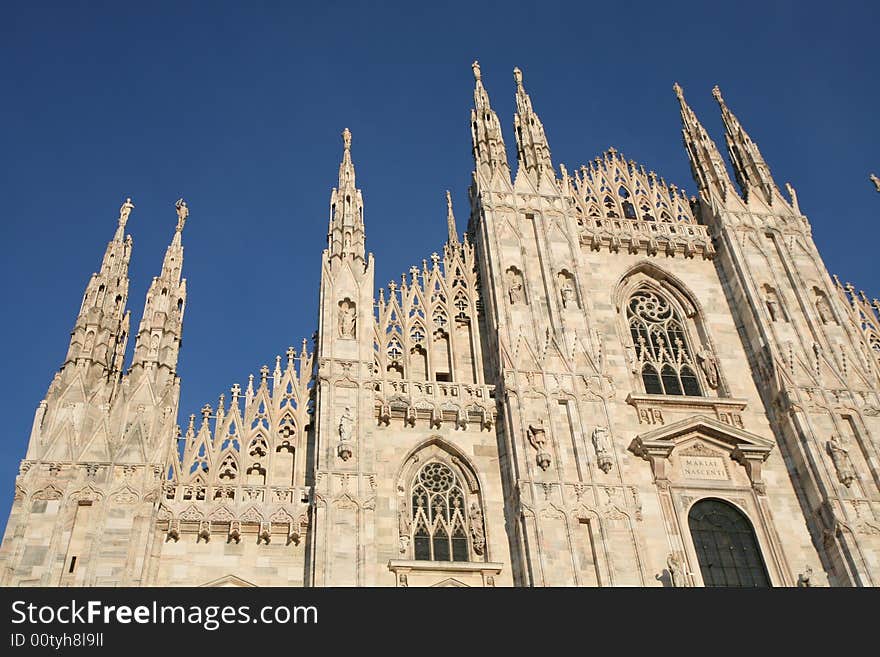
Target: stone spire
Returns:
[[161, 327], [99, 336], [488, 143], [450, 220], [707, 165], [752, 172], [532, 149], [345, 238]]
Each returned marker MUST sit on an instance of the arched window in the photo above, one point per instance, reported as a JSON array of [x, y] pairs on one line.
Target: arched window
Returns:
[[439, 515], [727, 549], [664, 357]]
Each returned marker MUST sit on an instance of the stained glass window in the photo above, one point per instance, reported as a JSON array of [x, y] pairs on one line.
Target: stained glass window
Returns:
[[664, 356], [439, 520]]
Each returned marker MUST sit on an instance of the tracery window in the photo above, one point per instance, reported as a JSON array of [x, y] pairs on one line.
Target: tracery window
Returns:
[[439, 515], [726, 547], [664, 357]]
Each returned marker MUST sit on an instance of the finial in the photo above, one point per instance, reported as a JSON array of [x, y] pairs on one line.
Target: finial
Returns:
[[874, 179], [450, 220], [125, 210], [678, 92], [716, 92], [182, 213], [346, 139], [517, 75], [476, 67]]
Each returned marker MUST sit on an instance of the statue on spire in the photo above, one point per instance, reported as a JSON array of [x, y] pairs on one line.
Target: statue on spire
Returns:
[[182, 213], [678, 91], [346, 139], [876, 181], [125, 210], [450, 220], [517, 76], [476, 67]]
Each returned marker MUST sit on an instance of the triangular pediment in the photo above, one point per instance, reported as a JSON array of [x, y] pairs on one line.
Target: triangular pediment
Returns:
[[709, 429], [451, 581], [230, 580]]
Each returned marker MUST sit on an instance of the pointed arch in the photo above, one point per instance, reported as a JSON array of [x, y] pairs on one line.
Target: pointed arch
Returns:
[[661, 322], [440, 505]]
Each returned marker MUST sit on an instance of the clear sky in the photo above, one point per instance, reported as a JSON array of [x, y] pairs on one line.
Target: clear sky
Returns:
[[238, 108]]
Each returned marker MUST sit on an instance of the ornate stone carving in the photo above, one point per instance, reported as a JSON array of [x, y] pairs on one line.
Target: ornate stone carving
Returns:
[[404, 525], [514, 283], [602, 445], [538, 439], [345, 427], [709, 365], [805, 578], [677, 576], [347, 319], [478, 536], [842, 462]]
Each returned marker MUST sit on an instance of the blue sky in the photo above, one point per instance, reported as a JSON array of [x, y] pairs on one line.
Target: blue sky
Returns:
[[238, 108]]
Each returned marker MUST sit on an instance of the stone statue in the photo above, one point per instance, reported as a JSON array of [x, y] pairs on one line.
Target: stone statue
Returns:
[[346, 426], [603, 448], [476, 67], [841, 459], [478, 536], [824, 309], [804, 578], [404, 526], [876, 181], [676, 571], [538, 438], [709, 365], [347, 319], [773, 305], [182, 213], [566, 292], [125, 210], [514, 287]]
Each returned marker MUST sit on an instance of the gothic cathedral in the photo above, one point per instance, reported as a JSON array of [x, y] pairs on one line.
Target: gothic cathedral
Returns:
[[602, 383]]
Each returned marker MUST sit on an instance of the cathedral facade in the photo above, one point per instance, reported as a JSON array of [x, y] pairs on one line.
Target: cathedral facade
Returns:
[[602, 383]]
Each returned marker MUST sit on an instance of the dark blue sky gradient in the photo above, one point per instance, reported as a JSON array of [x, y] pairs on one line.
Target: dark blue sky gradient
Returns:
[[238, 108]]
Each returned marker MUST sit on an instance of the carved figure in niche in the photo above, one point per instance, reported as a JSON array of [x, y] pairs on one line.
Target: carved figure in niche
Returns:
[[842, 462], [709, 365], [538, 439], [347, 319], [404, 526], [514, 286], [603, 448], [774, 306], [824, 309], [566, 290], [676, 571], [346, 425], [475, 515]]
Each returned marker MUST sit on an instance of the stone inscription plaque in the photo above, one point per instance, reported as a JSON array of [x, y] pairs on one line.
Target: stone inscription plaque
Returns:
[[703, 467]]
